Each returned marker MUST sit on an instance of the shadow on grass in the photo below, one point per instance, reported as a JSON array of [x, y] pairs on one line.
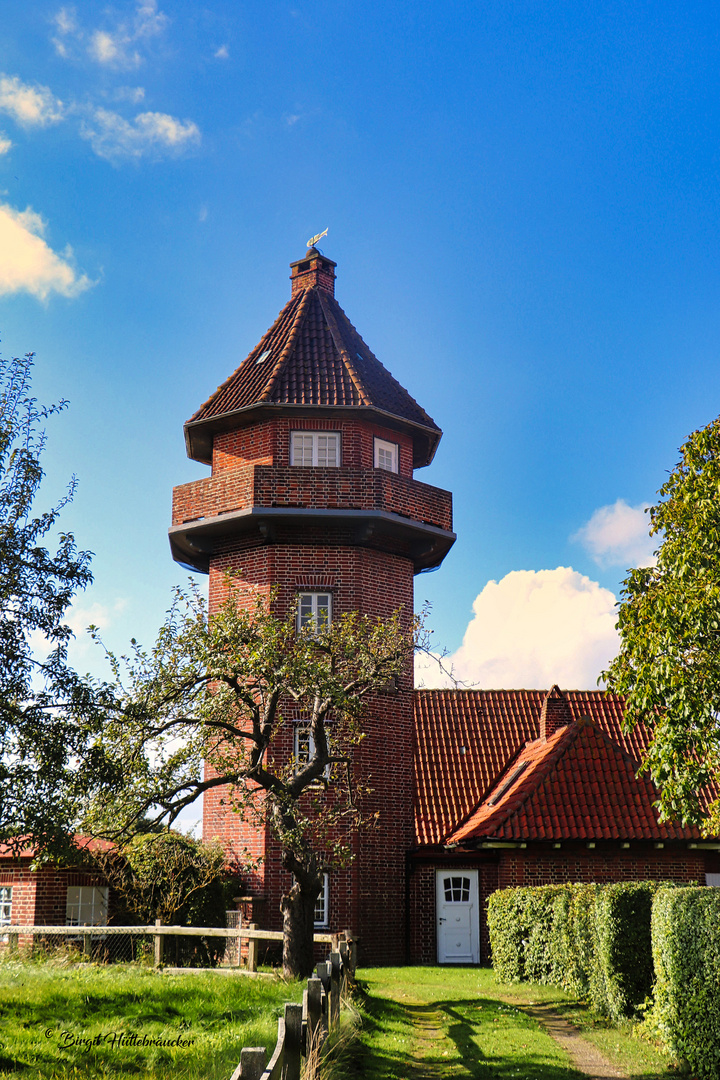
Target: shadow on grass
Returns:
[[474, 1038]]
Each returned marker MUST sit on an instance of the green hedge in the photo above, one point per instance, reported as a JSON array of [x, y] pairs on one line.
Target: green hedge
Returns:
[[622, 977], [686, 952], [592, 940]]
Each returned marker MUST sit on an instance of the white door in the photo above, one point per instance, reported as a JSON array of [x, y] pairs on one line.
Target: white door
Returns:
[[458, 937]]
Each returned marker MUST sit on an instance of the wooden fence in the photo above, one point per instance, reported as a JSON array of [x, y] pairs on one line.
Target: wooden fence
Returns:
[[157, 932], [304, 1027]]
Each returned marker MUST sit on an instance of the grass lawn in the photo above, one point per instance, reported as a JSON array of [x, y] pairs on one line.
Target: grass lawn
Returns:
[[448, 1022], [68, 1020], [453, 1022]]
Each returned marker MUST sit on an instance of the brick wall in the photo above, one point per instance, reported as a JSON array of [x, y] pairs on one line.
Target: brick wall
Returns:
[[268, 443], [368, 896], [605, 863], [291, 486], [39, 897], [542, 865]]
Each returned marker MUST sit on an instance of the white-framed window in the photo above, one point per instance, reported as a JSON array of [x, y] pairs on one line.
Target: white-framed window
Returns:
[[320, 448], [314, 611], [304, 748], [86, 905], [386, 455], [5, 905], [322, 904]]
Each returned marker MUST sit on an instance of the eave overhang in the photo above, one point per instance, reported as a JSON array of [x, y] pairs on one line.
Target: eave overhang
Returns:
[[199, 434], [192, 543]]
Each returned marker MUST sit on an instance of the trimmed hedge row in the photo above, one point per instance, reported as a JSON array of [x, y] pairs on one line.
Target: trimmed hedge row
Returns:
[[592, 940], [686, 952]]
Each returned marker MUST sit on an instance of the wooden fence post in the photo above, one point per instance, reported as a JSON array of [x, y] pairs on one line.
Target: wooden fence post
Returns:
[[87, 945], [14, 942], [334, 1011], [352, 951], [252, 949], [314, 1009], [252, 1063], [293, 1042], [159, 945]]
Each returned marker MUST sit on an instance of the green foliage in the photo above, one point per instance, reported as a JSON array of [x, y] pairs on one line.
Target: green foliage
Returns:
[[686, 952], [623, 969], [579, 936], [203, 709], [668, 667], [591, 940], [508, 933], [168, 876], [44, 706]]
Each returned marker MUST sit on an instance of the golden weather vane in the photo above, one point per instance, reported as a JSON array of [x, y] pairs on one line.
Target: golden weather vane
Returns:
[[314, 239]]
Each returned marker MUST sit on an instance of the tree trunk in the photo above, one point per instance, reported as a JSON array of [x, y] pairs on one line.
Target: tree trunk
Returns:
[[298, 910]]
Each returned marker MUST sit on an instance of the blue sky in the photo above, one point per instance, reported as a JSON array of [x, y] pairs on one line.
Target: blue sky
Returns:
[[522, 200]]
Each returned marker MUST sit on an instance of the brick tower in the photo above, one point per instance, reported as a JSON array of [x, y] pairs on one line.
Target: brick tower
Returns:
[[312, 445]]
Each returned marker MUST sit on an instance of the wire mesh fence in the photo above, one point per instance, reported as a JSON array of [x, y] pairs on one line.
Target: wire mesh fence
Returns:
[[175, 946], [169, 946]]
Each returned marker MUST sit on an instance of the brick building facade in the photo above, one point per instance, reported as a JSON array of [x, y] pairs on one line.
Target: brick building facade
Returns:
[[313, 447]]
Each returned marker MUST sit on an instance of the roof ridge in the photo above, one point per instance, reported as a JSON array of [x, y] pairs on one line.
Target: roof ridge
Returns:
[[388, 373], [289, 346], [544, 766], [246, 362], [344, 355]]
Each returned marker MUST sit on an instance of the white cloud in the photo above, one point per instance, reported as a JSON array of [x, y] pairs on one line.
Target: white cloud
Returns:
[[28, 264], [151, 133], [30, 106], [222, 53], [203, 213], [617, 535], [5, 143], [114, 46], [79, 617], [531, 629], [133, 94]]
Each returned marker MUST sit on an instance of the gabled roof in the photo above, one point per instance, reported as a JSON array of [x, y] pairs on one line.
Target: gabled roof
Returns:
[[576, 785], [312, 356], [466, 740]]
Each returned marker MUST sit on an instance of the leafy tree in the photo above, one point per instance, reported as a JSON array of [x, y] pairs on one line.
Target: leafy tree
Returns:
[[204, 709], [668, 667], [40, 696], [168, 876]]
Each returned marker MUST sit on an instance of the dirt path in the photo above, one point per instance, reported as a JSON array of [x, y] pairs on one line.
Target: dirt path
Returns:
[[429, 1028], [583, 1054]]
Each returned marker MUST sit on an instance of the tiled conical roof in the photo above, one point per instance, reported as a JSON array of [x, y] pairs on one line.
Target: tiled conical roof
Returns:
[[312, 356]]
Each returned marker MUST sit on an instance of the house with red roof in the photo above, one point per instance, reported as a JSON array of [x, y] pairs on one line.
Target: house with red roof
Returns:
[[313, 447]]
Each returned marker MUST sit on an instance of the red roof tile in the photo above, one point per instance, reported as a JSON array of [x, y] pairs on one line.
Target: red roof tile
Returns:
[[494, 726], [576, 785]]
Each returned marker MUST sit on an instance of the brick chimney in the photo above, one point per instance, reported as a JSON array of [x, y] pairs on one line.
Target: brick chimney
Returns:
[[555, 713], [314, 271]]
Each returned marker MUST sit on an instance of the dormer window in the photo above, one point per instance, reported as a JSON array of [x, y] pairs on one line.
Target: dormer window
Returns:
[[386, 455], [319, 448]]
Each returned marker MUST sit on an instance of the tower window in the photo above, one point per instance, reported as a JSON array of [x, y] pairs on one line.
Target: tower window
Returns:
[[386, 455], [314, 611], [322, 904], [304, 749], [319, 448]]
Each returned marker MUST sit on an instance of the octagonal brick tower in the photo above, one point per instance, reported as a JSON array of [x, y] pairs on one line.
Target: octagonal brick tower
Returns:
[[313, 444]]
